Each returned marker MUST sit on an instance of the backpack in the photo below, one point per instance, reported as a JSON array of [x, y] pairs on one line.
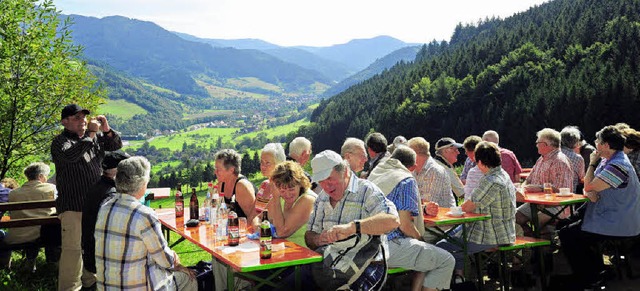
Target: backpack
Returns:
[[346, 260]]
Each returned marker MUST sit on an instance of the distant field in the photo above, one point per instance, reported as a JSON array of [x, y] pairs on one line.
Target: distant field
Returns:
[[221, 92], [251, 82], [209, 113], [313, 106], [156, 168], [279, 130], [121, 108], [203, 137]]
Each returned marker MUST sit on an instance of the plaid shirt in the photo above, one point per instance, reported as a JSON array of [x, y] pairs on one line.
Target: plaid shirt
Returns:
[[554, 167], [496, 196], [405, 197], [434, 184], [577, 166], [131, 252], [362, 199]]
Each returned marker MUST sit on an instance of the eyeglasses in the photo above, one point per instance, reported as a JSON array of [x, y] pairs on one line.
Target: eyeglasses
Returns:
[[543, 142]]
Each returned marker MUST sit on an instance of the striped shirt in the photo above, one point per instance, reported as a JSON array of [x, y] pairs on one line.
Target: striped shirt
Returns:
[[405, 197], [468, 164], [473, 179], [577, 166], [496, 196], [131, 252], [434, 184], [78, 165]]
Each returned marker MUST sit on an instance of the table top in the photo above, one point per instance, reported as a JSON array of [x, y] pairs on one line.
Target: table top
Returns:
[[203, 235], [553, 199], [445, 219]]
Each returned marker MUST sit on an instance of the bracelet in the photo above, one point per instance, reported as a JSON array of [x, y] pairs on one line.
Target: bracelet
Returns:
[[357, 222]]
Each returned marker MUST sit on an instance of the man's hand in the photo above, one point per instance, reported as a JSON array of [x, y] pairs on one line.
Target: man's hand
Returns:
[[339, 232], [594, 158], [104, 124], [593, 196], [431, 209]]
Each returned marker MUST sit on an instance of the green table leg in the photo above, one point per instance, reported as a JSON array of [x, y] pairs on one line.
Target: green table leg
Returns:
[[298, 277], [538, 251], [230, 285]]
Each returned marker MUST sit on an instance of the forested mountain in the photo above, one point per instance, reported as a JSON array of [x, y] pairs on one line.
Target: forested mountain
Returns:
[[144, 49], [406, 54], [565, 62]]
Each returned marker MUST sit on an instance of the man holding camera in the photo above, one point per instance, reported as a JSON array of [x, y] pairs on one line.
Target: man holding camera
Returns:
[[77, 153]]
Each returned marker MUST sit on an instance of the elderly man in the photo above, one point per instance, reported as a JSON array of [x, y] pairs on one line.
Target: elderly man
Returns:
[[570, 138], [377, 150], [510, 162], [406, 248], [300, 151], [36, 188], [141, 257], [354, 152], [551, 167], [100, 191], [447, 155], [77, 153], [433, 179], [346, 206]]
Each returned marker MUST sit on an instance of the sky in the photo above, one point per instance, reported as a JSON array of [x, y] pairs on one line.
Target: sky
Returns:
[[304, 22]]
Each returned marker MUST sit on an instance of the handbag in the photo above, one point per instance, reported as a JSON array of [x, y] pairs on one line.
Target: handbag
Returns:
[[345, 261], [204, 275]]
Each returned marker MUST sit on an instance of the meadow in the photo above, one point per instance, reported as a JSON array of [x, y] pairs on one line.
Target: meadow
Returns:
[[121, 108]]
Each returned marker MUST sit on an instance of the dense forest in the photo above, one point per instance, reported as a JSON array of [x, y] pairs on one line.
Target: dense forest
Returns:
[[566, 62]]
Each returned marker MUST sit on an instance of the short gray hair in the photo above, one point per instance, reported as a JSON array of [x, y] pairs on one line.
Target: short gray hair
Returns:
[[33, 170], [276, 150], [570, 136], [230, 158], [550, 134], [342, 166], [405, 155], [491, 136], [298, 145], [350, 144], [133, 174]]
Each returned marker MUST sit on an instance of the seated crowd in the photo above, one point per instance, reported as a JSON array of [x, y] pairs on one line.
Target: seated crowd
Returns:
[[366, 189]]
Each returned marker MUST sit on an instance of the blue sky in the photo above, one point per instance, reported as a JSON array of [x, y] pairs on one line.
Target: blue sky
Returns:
[[304, 22]]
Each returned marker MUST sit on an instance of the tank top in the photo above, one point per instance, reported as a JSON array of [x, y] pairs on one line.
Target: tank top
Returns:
[[236, 206], [298, 236]]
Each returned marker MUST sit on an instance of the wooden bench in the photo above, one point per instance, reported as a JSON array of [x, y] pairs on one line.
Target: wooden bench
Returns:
[[522, 242], [8, 222]]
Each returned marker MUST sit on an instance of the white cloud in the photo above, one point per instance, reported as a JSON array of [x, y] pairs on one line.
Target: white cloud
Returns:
[[304, 22]]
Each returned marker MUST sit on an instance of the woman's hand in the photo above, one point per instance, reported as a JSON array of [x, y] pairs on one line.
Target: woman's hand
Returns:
[[594, 158]]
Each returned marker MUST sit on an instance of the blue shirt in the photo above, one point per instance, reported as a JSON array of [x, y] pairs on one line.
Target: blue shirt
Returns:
[[617, 211], [405, 197]]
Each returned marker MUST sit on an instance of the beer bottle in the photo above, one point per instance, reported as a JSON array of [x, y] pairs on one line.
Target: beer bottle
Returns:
[[194, 211], [179, 201], [233, 227], [265, 236]]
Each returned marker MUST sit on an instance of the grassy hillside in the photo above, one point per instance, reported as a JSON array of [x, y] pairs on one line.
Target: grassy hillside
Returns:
[[121, 108], [276, 131], [203, 137]]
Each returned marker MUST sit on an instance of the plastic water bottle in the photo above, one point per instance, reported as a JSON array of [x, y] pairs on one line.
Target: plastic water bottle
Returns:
[[215, 205], [223, 218], [207, 203]]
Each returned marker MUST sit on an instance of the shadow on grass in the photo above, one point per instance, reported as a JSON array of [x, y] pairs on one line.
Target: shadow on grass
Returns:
[[21, 278]]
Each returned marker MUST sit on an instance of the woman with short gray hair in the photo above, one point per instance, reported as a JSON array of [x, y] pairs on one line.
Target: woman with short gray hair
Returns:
[[133, 175]]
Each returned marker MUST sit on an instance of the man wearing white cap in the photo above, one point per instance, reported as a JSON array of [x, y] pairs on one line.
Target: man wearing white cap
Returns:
[[447, 150], [346, 206]]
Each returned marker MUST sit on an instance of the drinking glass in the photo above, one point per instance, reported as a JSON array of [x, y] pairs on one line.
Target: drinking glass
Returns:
[[242, 224]]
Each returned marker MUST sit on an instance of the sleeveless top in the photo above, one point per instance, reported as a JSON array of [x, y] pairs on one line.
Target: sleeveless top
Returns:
[[298, 236], [236, 206]]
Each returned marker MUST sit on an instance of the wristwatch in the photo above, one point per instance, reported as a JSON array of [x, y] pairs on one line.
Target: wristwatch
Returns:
[[357, 223]]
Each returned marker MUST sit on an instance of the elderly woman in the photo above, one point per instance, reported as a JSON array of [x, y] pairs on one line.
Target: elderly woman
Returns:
[[613, 211], [131, 252], [632, 148], [271, 155], [233, 184], [495, 195], [292, 202]]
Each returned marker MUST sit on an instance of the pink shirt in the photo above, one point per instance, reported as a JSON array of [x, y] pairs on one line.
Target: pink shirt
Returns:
[[554, 168], [510, 164]]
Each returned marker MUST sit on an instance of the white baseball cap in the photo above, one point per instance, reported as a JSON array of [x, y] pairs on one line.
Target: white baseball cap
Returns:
[[323, 163]]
